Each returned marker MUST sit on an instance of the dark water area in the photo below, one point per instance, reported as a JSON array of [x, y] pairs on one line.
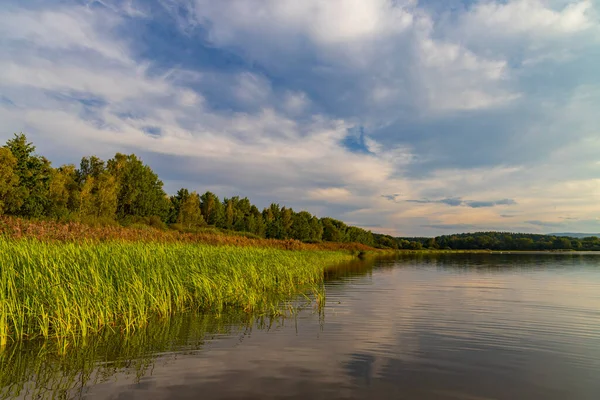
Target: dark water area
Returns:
[[448, 326]]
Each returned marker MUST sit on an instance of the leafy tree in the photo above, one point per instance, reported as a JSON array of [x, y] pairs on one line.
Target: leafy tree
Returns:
[[63, 192], [256, 223], [359, 235], [287, 219], [190, 215], [212, 209], [11, 197], [175, 203], [98, 197], [301, 228], [34, 174], [274, 223], [432, 244], [331, 231], [316, 229], [140, 191], [229, 207], [89, 167]]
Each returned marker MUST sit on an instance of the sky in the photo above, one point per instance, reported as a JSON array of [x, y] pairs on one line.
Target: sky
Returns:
[[406, 117]]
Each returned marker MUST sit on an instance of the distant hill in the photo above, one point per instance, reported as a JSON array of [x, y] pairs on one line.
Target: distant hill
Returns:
[[575, 235]]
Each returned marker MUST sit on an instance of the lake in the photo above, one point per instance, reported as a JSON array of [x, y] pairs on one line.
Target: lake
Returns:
[[447, 326]]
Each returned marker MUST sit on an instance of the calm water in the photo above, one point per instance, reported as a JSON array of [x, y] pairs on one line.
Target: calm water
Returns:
[[417, 327]]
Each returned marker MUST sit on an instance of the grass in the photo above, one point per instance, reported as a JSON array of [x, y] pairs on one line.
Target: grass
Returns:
[[68, 289]]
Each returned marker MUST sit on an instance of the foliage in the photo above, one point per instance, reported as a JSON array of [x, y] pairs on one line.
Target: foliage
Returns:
[[506, 241], [34, 173], [10, 199], [127, 191]]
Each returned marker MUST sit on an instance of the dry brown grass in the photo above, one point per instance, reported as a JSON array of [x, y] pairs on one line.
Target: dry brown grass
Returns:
[[76, 232]]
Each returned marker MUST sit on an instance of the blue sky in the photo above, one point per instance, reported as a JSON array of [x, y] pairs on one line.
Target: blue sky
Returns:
[[407, 117]]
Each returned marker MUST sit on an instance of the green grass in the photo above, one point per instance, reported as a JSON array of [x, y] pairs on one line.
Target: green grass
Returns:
[[72, 290]]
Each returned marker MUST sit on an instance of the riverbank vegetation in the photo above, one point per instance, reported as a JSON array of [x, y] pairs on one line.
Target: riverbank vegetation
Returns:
[[125, 191], [74, 289]]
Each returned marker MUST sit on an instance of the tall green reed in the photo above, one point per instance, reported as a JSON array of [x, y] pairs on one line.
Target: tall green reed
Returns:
[[71, 290]]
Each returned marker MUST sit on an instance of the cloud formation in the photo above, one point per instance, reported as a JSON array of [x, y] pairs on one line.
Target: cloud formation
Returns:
[[325, 106], [455, 202]]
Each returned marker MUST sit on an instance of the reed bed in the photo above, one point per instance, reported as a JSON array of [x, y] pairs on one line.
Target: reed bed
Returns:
[[75, 289]]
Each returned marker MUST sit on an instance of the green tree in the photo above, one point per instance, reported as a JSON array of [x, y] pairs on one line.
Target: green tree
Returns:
[[229, 206], [301, 226], [11, 197], [98, 198], [34, 174], [212, 209], [287, 219], [175, 203], [331, 231], [316, 229], [256, 223], [140, 192], [190, 215], [273, 221], [63, 192]]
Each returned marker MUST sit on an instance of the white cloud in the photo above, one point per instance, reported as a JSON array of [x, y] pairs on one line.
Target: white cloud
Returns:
[[63, 30], [381, 60], [331, 23], [528, 17]]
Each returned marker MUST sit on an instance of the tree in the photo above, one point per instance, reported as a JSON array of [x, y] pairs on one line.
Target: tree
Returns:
[[301, 228], [90, 167], [256, 223], [175, 203], [98, 198], [228, 204], [274, 225], [212, 209], [63, 191], [140, 191], [316, 229], [34, 174], [562, 243], [432, 244], [10, 196], [287, 219], [106, 195], [190, 215], [331, 232]]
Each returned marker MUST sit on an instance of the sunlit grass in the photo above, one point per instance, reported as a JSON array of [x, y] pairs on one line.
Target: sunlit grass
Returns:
[[71, 290]]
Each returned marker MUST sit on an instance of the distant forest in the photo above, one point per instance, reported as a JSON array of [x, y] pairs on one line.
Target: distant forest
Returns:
[[126, 191], [496, 241]]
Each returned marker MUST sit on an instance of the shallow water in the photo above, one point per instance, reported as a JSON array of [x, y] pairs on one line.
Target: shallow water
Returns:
[[481, 326]]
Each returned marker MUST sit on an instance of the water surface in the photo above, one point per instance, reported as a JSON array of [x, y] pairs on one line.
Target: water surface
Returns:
[[480, 326]]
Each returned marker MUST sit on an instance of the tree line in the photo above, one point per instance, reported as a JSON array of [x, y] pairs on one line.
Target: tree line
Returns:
[[125, 190], [491, 241]]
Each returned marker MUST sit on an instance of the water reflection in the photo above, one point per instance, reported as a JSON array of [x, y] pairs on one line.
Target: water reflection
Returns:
[[420, 326]]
